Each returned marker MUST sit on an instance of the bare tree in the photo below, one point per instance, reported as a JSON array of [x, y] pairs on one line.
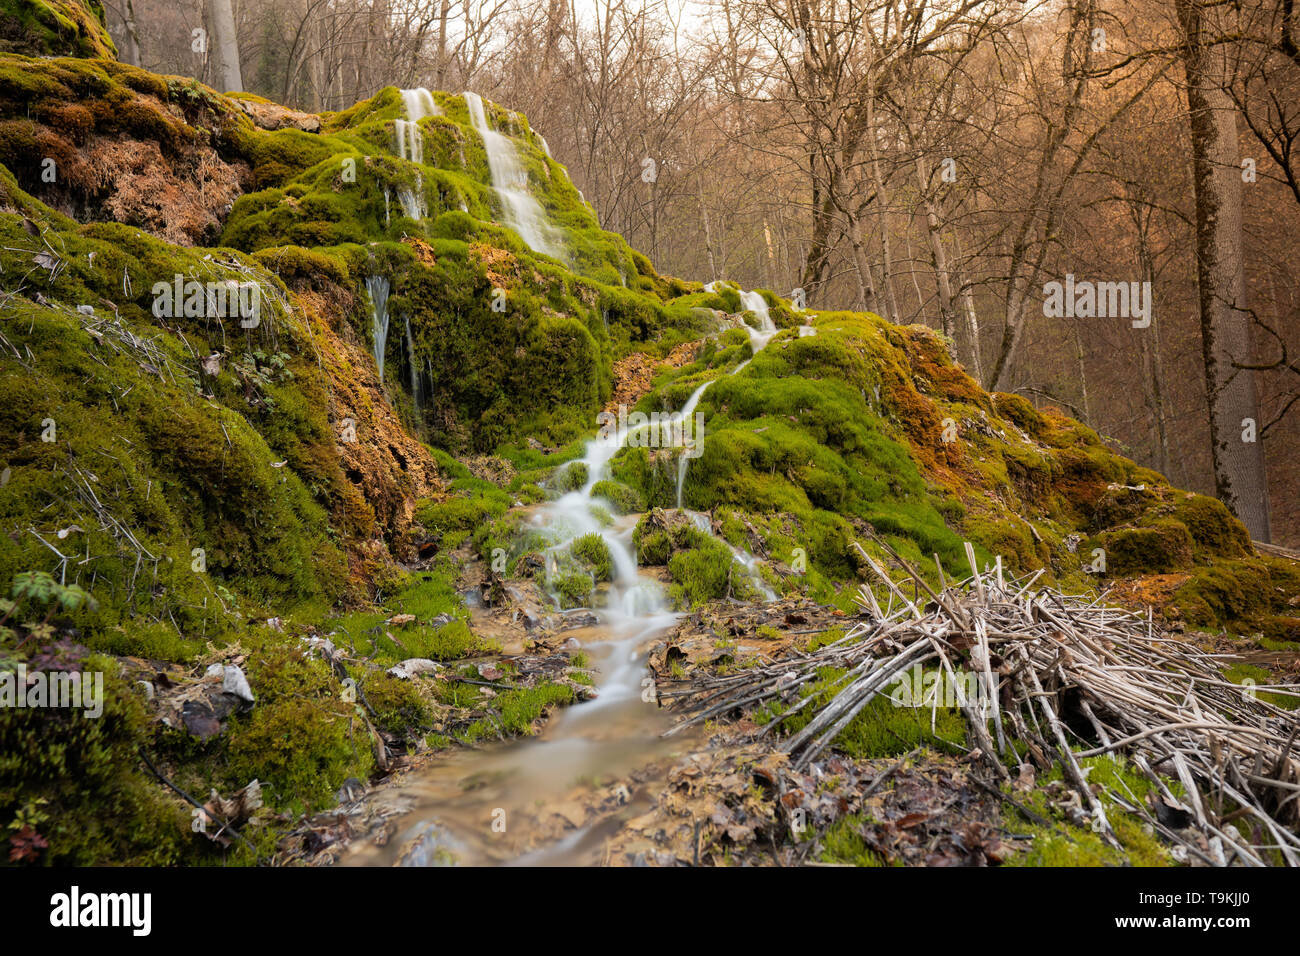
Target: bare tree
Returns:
[[1239, 474], [225, 42]]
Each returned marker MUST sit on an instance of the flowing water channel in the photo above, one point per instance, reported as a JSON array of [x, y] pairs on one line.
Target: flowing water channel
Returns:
[[498, 806], [521, 802]]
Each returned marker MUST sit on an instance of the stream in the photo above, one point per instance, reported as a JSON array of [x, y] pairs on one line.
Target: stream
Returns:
[[520, 802], [525, 802]]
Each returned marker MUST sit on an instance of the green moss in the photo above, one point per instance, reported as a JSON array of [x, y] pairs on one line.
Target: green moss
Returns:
[[449, 642], [880, 729], [708, 572], [462, 514], [571, 477], [657, 540], [178, 471], [1164, 545], [1239, 594], [514, 713], [842, 843], [302, 738], [1065, 844], [622, 499], [574, 588], [1213, 529], [55, 28], [593, 552], [78, 782], [398, 706]]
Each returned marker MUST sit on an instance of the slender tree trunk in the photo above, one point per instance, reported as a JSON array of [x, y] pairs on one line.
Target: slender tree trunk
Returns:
[[938, 257], [1239, 474], [225, 47], [972, 318], [882, 200], [1085, 403], [1153, 360], [440, 68], [708, 234], [131, 48], [869, 300], [911, 268]]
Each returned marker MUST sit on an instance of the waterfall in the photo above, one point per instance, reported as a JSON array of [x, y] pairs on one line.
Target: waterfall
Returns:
[[633, 598], [758, 339], [418, 104], [683, 461], [415, 368], [377, 288], [521, 211], [412, 200], [410, 141]]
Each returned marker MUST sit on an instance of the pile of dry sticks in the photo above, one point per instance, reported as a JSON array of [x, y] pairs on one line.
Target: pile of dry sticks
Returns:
[[1064, 678]]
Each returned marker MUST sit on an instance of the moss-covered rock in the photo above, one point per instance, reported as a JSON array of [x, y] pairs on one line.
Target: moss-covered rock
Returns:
[[55, 28]]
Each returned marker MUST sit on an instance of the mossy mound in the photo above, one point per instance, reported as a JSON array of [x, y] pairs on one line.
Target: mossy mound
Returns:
[[868, 425], [76, 781], [102, 141], [200, 475], [187, 490], [1245, 595], [55, 28]]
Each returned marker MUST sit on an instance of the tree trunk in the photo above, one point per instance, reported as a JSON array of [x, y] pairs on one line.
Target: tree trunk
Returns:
[[972, 317], [1082, 366], [869, 301], [1239, 475], [440, 68], [938, 256], [225, 47], [708, 234], [131, 48], [882, 199]]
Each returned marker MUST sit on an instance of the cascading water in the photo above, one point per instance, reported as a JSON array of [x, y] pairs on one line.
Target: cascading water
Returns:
[[618, 731], [744, 558], [418, 104], [415, 365], [410, 140], [683, 460], [377, 288], [521, 211], [758, 339]]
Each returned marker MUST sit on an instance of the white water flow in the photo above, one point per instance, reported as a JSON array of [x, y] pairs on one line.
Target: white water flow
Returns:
[[758, 339], [377, 288], [418, 104], [543, 786], [683, 460], [415, 366], [521, 211], [747, 560]]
